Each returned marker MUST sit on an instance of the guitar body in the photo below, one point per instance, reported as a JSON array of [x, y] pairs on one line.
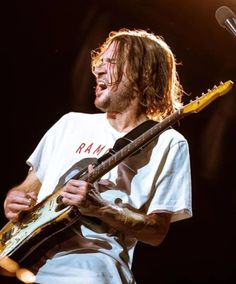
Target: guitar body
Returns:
[[18, 240]]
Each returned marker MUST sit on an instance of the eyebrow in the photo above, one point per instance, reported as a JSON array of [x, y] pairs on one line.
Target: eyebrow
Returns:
[[111, 60]]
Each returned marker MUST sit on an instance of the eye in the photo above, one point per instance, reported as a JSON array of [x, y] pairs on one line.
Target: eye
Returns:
[[111, 61], [100, 61]]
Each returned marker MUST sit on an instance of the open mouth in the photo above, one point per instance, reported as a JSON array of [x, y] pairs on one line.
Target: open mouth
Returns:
[[101, 86]]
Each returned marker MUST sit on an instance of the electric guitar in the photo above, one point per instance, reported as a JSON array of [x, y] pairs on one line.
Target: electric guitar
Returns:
[[51, 216]]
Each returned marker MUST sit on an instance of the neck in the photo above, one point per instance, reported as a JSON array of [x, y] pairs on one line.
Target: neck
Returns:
[[125, 121]]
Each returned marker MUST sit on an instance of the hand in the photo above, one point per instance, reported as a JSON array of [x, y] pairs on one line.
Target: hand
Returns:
[[84, 195], [18, 201], [75, 192]]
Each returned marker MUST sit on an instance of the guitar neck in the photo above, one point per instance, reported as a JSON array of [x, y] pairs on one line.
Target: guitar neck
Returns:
[[145, 138], [132, 147]]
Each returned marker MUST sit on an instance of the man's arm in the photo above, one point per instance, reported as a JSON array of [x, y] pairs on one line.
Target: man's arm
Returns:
[[22, 197], [150, 229]]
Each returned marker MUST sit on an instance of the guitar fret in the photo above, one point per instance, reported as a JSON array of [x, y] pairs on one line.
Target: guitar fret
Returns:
[[129, 149]]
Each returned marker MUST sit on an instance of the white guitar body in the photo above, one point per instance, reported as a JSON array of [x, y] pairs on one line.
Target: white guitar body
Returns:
[[35, 222]]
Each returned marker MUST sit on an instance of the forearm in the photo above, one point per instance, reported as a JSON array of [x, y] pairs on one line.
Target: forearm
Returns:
[[149, 229], [22, 197]]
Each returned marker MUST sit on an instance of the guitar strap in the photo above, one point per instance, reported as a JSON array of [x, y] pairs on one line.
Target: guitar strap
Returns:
[[128, 138], [80, 168]]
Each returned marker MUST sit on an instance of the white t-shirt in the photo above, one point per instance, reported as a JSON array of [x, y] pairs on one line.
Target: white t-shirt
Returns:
[[156, 179]]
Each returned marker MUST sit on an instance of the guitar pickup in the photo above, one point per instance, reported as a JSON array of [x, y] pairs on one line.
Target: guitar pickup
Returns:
[[6, 236], [60, 205]]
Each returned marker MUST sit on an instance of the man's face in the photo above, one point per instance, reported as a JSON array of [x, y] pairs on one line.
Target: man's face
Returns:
[[111, 97]]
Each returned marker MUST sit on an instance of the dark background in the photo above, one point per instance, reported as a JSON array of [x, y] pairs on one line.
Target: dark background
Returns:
[[45, 55]]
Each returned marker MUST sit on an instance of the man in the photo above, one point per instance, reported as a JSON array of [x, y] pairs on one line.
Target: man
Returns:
[[136, 80]]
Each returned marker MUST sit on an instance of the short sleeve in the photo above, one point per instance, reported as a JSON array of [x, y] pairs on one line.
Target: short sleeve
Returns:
[[43, 153], [173, 188]]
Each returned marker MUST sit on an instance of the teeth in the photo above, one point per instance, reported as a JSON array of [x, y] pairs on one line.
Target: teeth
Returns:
[[102, 85]]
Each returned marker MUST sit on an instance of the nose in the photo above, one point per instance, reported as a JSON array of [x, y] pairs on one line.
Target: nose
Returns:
[[100, 69]]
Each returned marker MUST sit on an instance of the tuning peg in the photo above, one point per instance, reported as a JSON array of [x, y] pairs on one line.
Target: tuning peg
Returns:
[[221, 83]]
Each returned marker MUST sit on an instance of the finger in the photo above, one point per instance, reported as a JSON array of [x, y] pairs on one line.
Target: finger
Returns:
[[33, 195], [106, 183], [72, 189], [76, 186], [16, 193], [90, 168], [71, 199], [18, 199], [76, 182], [15, 207], [12, 216], [75, 191]]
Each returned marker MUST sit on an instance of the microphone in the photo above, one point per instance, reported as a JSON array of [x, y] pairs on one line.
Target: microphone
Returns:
[[226, 19]]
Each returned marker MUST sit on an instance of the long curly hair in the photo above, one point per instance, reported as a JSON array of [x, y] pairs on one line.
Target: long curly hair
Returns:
[[150, 66]]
